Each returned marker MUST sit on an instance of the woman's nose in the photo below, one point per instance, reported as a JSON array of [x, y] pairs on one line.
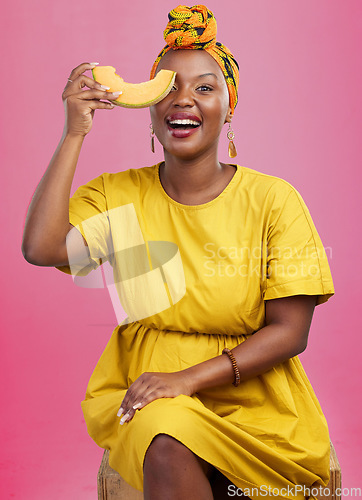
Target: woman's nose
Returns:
[[183, 97]]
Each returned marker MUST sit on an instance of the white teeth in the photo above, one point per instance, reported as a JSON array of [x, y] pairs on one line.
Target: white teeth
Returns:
[[184, 122]]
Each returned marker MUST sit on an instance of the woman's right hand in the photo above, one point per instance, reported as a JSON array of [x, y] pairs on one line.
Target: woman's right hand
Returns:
[[79, 105]]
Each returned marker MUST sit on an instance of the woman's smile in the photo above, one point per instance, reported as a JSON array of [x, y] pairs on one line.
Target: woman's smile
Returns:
[[183, 124]]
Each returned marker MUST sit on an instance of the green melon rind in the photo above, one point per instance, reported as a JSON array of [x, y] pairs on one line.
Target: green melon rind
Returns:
[[148, 103]]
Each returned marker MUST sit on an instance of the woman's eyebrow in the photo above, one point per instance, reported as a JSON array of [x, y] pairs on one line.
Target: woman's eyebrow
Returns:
[[207, 74]]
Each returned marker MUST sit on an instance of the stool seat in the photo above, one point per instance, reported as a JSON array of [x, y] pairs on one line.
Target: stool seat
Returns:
[[111, 486]]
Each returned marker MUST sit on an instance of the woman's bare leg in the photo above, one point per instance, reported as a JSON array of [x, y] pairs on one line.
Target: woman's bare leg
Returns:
[[173, 472]]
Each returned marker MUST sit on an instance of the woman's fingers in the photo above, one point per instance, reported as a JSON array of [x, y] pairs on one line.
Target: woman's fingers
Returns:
[[150, 386], [77, 80], [100, 105], [83, 81], [127, 416], [133, 399], [130, 414], [97, 94], [74, 88], [80, 104], [81, 69]]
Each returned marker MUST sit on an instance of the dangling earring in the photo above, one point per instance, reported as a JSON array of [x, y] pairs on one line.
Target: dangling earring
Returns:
[[231, 136], [152, 135]]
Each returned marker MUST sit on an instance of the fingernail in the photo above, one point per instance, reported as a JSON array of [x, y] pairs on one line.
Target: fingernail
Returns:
[[136, 406], [104, 87], [120, 411], [93, 64], [124, 418], [117, 93]]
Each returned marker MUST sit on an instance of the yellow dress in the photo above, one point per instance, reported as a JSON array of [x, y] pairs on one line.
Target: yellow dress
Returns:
[[193, 280]]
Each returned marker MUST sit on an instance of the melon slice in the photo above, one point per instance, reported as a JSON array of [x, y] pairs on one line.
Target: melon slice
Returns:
[[135, 95]]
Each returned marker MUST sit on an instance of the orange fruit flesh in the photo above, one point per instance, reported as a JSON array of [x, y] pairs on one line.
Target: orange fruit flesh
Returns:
[[135, 95]]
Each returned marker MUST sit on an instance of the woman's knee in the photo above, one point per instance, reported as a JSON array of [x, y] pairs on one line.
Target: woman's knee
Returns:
[[165, 449]]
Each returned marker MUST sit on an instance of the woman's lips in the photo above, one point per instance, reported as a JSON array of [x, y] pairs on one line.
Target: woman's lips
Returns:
[[182, 132], [186, 129]]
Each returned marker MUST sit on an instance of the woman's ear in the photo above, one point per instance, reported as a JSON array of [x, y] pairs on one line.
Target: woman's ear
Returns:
[[229, 115]]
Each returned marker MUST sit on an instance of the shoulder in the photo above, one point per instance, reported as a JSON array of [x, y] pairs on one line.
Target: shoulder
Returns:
[[111, 189], [266, 181], [132, 177], [269, 188], [112, 186]]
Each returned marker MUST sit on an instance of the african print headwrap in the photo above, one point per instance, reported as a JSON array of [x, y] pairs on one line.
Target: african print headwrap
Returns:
[[195, 28]]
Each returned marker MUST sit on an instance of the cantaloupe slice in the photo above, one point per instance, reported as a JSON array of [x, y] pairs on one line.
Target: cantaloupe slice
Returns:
[[135, 95]]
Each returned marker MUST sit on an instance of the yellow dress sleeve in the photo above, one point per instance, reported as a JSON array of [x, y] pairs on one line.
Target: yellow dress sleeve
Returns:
[[88, 213], [297, 262]]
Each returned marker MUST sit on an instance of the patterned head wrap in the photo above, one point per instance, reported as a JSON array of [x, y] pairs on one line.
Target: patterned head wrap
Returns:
[[195, 28]]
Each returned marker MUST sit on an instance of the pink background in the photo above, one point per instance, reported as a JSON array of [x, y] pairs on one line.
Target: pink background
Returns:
[[297, 119]]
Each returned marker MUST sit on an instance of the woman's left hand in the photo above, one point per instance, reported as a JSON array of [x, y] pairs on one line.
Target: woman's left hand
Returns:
[[150, 386]]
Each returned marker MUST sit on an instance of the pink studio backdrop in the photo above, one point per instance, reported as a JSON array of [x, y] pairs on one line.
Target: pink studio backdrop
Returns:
[[297, 119]]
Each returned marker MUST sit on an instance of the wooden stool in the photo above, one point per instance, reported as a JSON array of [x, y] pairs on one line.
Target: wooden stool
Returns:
[[111, 486]]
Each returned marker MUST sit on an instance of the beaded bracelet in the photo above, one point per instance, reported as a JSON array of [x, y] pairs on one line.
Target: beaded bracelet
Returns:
[[235, 366]]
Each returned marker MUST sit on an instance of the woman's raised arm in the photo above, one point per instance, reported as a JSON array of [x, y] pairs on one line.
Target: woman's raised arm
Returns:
[[47, 220]]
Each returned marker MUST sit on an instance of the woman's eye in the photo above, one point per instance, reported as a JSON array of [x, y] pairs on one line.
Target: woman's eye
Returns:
[[203, 88]]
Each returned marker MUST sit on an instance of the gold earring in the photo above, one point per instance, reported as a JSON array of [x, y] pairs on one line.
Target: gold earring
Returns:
[[152, 135], [231, 136]]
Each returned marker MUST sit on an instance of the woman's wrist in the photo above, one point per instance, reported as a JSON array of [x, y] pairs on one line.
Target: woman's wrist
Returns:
[[213, 372], [73, 136]]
